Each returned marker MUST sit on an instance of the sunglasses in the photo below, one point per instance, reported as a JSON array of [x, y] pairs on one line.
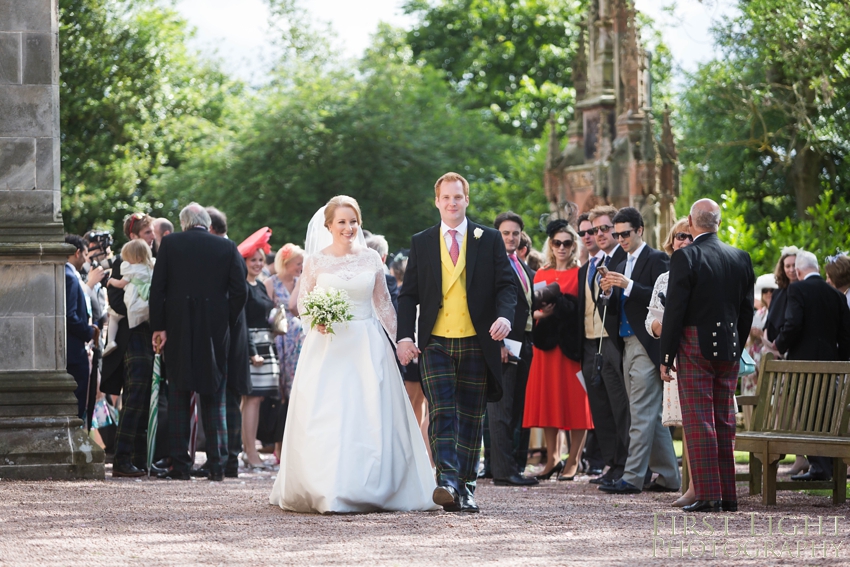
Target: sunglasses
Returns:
[[562, 243], [592, 231], [623, 234], [682, 236]]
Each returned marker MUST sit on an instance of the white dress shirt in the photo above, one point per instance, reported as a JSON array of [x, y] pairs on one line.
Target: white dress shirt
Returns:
[[632, 259], [461, 232]]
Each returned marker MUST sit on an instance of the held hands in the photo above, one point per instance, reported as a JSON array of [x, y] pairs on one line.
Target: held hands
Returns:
[[322, 329], [406, 352]]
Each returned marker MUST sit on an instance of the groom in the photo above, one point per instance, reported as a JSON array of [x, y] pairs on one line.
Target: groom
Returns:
[[459, 274]]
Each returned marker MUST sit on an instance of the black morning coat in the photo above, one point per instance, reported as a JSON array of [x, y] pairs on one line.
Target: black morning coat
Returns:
[[650, 264], [112, 369], [491, 292], [710, 287], [522, 310], [817, 322], [197, 294]]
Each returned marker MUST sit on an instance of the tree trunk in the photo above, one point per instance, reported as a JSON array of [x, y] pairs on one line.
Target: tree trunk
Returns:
[[804, 178]]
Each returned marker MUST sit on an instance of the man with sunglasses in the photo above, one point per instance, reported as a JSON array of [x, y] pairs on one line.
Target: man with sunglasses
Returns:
[[609, 404], [630, 283]]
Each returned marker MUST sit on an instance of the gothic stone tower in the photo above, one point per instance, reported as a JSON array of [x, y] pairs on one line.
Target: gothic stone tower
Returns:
[[612, 155]]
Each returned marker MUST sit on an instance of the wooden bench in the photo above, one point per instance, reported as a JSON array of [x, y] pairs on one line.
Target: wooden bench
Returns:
[[802, 409]]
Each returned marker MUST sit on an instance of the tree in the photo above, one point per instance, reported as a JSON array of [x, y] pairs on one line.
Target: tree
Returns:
[[769, 118], [133, 100], [511, 59], [382, 134]]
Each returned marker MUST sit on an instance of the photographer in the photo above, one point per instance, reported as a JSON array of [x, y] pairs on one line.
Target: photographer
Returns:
[[128, 369]]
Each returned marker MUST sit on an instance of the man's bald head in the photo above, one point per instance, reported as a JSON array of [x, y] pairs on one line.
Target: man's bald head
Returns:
[[704, 217]]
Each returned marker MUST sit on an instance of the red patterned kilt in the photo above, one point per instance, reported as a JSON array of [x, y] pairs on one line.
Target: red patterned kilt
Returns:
[[707, 394]]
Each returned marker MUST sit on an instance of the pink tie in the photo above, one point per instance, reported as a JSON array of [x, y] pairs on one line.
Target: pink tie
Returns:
[[519, 271], [454, 250]]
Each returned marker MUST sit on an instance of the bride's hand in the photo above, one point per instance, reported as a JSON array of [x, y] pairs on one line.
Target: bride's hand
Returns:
[[322, 329]]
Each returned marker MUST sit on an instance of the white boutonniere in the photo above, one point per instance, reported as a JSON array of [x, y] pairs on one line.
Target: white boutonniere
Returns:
[[478, 232]]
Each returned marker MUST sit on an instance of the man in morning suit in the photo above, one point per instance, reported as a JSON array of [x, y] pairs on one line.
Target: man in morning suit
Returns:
[[505, 416], [816, 327], [609, 402], [79, 331], [459, 274], [197, 294], [630, 283], [706, 322]]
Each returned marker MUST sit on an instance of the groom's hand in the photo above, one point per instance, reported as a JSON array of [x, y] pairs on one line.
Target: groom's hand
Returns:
[[406, 352], [500, 329]]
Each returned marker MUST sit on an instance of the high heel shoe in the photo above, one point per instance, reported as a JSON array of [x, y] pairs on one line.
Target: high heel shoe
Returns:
[[799, 466], [568, 477], [684, 501], [559, 466], [249, 465]]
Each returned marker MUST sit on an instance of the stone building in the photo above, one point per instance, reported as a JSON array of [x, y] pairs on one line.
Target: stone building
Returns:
[[612, 153]]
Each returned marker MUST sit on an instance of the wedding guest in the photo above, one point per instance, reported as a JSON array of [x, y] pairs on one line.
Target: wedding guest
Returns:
[[77, 322], [411, 373], [757, 344], [785, 275], [609, 402], [265, 369], [535, 260], [555, 398], [218, 222], [678, 237], [816, 327], [192, 323], [161, 229], [508, 447], [709, 300], [838, 273], [379, 244], [128, 369], [630, 283], [288, 263], [593, 460], [525, 247]]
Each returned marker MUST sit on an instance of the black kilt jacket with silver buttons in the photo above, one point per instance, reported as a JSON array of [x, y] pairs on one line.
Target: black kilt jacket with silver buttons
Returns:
[[711, 288]]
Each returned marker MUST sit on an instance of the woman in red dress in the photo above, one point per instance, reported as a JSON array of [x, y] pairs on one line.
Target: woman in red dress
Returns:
[[555, 396]]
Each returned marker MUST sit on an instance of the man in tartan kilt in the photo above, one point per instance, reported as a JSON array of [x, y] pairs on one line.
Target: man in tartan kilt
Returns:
[[707, 320], [459, 275], [197, 294]]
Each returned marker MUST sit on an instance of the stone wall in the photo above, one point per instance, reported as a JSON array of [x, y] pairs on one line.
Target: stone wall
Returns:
[[40, 434]]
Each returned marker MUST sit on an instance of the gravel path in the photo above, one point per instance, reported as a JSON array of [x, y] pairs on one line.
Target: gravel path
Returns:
[[153, 522]]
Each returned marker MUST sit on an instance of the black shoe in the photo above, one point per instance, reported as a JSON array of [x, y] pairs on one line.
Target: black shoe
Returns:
[[515, 480], [126, 470], [231, 473], [729, 505], [172, 474], [485, 473], [811, 476], [621, 487], [447, 497], [655, 487], [216, 475], [602, 481], [163, 463], [200, 472], [467, 502], [155, 470], [593, 471], [559, 466], [703, 506]]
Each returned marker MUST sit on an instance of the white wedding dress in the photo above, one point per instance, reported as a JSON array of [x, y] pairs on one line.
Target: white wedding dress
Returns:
[[351, 442]]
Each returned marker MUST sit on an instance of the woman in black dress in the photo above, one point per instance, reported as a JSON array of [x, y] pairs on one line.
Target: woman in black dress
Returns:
[[265, 370]]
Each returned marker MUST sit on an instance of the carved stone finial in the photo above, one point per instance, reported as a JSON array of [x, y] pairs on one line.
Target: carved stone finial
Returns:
[[667, 135], [630, 68], [580, 66]]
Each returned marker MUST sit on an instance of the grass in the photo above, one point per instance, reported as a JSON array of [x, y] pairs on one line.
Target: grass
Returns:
[[741, 457]]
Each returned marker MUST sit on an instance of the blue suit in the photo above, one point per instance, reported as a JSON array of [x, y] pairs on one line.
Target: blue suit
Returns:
[[79, 332]]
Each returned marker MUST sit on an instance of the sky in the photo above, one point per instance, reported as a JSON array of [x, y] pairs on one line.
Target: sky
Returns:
[[237, 32]]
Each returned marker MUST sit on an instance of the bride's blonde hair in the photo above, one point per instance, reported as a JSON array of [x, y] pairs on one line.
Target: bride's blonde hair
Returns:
[[341, 201]]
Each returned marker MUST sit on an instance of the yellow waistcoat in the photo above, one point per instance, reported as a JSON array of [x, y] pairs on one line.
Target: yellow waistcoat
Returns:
[[453, 320]]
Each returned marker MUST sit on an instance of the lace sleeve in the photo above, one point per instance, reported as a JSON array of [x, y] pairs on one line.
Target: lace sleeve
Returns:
[[382, 302], [306, 283], [655, 302]]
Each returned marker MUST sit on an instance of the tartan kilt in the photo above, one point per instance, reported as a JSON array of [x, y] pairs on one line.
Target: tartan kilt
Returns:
[[265, 379]]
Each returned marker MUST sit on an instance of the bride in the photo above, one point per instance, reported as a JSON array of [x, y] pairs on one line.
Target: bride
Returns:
[[351, 442]]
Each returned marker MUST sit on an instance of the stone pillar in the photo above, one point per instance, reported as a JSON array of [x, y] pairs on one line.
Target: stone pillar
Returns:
[[40, 434]]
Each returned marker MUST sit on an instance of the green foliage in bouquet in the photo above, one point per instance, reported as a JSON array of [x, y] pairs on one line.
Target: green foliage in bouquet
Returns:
[[327, 307]]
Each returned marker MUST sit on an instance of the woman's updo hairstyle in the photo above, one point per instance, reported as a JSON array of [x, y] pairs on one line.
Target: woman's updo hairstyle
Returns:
[[556, 226], [341, 201]]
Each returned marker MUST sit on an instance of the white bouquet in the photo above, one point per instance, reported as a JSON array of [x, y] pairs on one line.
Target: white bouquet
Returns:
[[326, 307]]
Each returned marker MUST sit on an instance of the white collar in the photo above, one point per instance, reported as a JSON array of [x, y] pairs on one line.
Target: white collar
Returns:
[[813, 274], [599, 255], [698, 236], [637, 252], [461, 228]]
